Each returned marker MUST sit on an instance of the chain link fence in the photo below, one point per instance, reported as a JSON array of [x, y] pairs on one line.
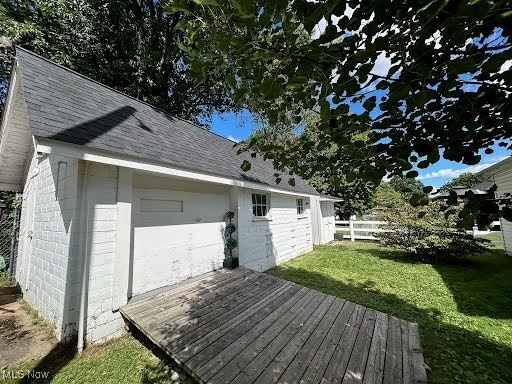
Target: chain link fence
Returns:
[[9, 227]]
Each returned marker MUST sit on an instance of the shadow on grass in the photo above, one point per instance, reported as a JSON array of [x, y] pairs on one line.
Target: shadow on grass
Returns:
[[162, 372], [481, 285], [455, 355], [52, 363]]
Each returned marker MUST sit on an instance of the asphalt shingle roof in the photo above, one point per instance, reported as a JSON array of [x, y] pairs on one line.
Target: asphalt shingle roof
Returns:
[[66, 106]]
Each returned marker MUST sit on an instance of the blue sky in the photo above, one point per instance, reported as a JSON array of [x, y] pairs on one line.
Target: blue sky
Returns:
[[238, 126]]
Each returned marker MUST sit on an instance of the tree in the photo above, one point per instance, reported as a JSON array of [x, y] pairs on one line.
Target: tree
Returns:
[[408, 187], [466, 179], [386, 196], [131, 46], [428, 233], [426, 78], [356, 196]]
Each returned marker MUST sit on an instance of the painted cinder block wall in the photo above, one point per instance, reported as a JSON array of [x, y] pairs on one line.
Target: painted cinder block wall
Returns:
[[103, 321], [48, 252], [67, 226], [265, 243]]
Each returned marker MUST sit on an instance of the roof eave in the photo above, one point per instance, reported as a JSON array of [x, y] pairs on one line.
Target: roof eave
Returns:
[[55, 147]]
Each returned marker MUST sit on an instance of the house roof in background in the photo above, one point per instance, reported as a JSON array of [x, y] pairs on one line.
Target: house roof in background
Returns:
[[480, 189], [66, 106]]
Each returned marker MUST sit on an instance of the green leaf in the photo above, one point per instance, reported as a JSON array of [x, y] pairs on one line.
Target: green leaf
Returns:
[[206, 2], [246, 166], [174, 7], [184, 47], [370, 103], [423, 164], [230, 79]]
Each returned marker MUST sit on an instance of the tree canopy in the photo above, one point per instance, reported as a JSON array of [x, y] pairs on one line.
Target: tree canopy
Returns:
[[387, 197], [131, 46], [407, 187], [425, 78], [356, 196], [466, 179]]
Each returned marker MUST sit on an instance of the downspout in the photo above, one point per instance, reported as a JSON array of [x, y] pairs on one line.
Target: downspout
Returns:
[[82, 314]]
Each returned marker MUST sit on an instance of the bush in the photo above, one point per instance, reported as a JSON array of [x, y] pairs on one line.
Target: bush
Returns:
[[429, 233]]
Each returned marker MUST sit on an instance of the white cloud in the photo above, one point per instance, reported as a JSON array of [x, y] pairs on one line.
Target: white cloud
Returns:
[[233, 139], [319, 28], [505, 66], [449, 173], [382, 65]]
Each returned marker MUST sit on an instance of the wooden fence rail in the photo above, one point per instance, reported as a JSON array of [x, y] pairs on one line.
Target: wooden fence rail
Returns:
[[369, 230], [359, 229]]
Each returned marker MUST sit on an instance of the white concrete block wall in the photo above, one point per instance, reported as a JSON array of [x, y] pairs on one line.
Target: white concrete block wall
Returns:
[[52, 188], [102, 322], [267, 243], [28, 191]]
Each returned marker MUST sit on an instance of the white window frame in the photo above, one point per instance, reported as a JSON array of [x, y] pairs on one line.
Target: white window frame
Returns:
[[257, 202], [300, 207]]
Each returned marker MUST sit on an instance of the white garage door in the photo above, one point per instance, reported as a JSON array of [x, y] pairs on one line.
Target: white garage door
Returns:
[[176, 235]]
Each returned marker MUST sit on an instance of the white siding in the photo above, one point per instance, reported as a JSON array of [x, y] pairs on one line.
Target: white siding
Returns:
[[267, 243], [504, 182], [15, 139], [48, 263]]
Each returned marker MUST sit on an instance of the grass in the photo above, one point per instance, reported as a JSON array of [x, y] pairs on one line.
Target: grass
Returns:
[[4, 280], [496, 239], [124, 360], [464, 311], [495, 236]]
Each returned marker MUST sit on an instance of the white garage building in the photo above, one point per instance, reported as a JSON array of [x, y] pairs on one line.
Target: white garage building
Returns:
[[501, 174], [120, 199]]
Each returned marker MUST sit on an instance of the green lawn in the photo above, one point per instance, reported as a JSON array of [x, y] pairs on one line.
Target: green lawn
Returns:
[[464, 311], [4, 280], [495, 236], [121, 361]]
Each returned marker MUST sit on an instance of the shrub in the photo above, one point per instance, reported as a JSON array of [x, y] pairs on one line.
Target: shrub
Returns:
[[429, 233]]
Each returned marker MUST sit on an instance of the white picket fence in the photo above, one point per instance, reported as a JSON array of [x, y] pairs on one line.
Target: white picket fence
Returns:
[[359, 229]]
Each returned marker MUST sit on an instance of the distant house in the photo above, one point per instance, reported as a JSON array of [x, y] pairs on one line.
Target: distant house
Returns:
[[481, 189], [120, 198], [501, 175]]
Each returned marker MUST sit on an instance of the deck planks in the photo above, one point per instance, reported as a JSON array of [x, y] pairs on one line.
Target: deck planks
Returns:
[[248, 327]]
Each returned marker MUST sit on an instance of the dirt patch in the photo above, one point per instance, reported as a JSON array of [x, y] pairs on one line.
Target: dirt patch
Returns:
[[20, 337]]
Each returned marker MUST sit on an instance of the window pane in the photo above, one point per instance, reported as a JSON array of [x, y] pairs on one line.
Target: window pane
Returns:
[[258, 211], [258, 199], [264, 211], [254, 210], [264, 199], [253, 198]]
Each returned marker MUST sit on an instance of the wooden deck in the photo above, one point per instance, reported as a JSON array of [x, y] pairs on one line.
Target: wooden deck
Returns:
[[247, 327]]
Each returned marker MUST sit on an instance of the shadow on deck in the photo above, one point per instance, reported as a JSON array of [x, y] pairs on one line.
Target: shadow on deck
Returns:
[[248, 327]]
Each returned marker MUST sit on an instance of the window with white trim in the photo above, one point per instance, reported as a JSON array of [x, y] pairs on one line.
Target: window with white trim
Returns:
[[300, 207], [260, 204]]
